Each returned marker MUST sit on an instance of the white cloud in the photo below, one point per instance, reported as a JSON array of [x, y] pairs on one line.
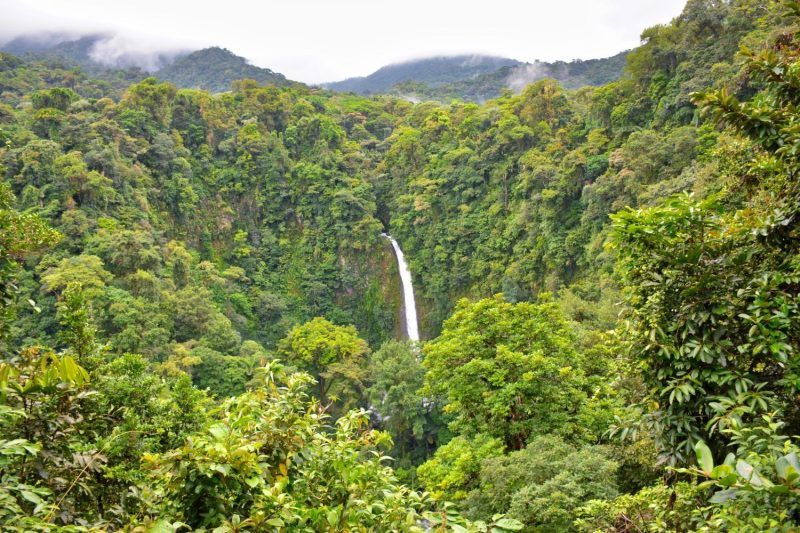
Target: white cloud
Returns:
[[325, 40]]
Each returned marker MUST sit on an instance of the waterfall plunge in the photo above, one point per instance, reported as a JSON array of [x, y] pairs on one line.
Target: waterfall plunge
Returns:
[[412, 329]]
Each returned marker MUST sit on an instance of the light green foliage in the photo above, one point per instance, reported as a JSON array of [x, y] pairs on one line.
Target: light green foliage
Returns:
[[334, 355], [57, 98], [506, 370], [454, 469], [652, 509], [86, 270], [269, 460]]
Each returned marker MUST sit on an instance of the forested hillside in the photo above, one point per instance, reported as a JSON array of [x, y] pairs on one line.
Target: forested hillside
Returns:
[[201, 328], [94, 53], [213, 69], [433, 71], [477, 78]]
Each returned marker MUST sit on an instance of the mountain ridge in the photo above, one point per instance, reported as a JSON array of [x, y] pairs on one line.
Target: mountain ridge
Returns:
[[470, 77], [213, 68], [452, 77], [433, 70]]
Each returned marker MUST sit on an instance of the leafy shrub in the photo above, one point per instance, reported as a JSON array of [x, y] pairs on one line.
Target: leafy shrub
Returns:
[[543, 484]]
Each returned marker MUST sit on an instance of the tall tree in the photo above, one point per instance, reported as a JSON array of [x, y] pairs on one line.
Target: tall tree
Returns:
[[334, 355]]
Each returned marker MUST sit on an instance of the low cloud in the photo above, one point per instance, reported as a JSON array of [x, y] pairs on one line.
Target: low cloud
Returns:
[[526, 74], [121, 52]]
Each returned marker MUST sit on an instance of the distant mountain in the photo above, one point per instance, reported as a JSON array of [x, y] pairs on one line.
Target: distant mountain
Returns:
[[93, 53], [38, 42], [102, 56], [213, 69], [432, 71], [573, 74], [478, 78]]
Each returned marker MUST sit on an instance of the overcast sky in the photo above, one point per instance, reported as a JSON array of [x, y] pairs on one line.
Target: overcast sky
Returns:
[[325, 40]]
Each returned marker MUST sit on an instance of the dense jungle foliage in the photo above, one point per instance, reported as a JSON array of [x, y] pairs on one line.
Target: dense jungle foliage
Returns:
[[200, 322]]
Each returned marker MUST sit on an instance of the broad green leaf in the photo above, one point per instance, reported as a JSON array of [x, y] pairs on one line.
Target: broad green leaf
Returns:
[[723, 496], [162, 526], [509, 524], [333, 517], [31, 496], [704, 458]]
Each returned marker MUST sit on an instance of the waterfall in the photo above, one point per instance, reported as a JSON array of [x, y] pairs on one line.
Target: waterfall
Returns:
[[412, 329]]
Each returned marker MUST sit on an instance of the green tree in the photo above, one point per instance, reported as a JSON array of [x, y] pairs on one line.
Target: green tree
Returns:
[[334, 355], [712, 284], [454, 470], [86, 270], [543, 484], [77, 331], [396, 375], [20, 234], [506, 370]]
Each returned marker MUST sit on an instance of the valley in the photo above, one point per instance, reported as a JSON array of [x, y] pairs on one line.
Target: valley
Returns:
[[463, 293]]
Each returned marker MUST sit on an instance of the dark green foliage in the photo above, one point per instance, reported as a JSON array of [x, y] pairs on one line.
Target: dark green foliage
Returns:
[[544, 483], [713, 313], [222, 375], [396, 376], [214, 70], [712, 289], [20, 234], [148, 215]]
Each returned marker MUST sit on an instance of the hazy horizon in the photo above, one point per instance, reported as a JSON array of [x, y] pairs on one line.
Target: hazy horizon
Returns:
[[315, 49]]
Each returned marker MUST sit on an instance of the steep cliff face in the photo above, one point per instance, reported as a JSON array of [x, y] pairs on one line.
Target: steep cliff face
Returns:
[[372, 293]]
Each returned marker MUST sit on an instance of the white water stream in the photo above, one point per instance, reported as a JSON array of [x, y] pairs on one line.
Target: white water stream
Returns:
[[412, 329]]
